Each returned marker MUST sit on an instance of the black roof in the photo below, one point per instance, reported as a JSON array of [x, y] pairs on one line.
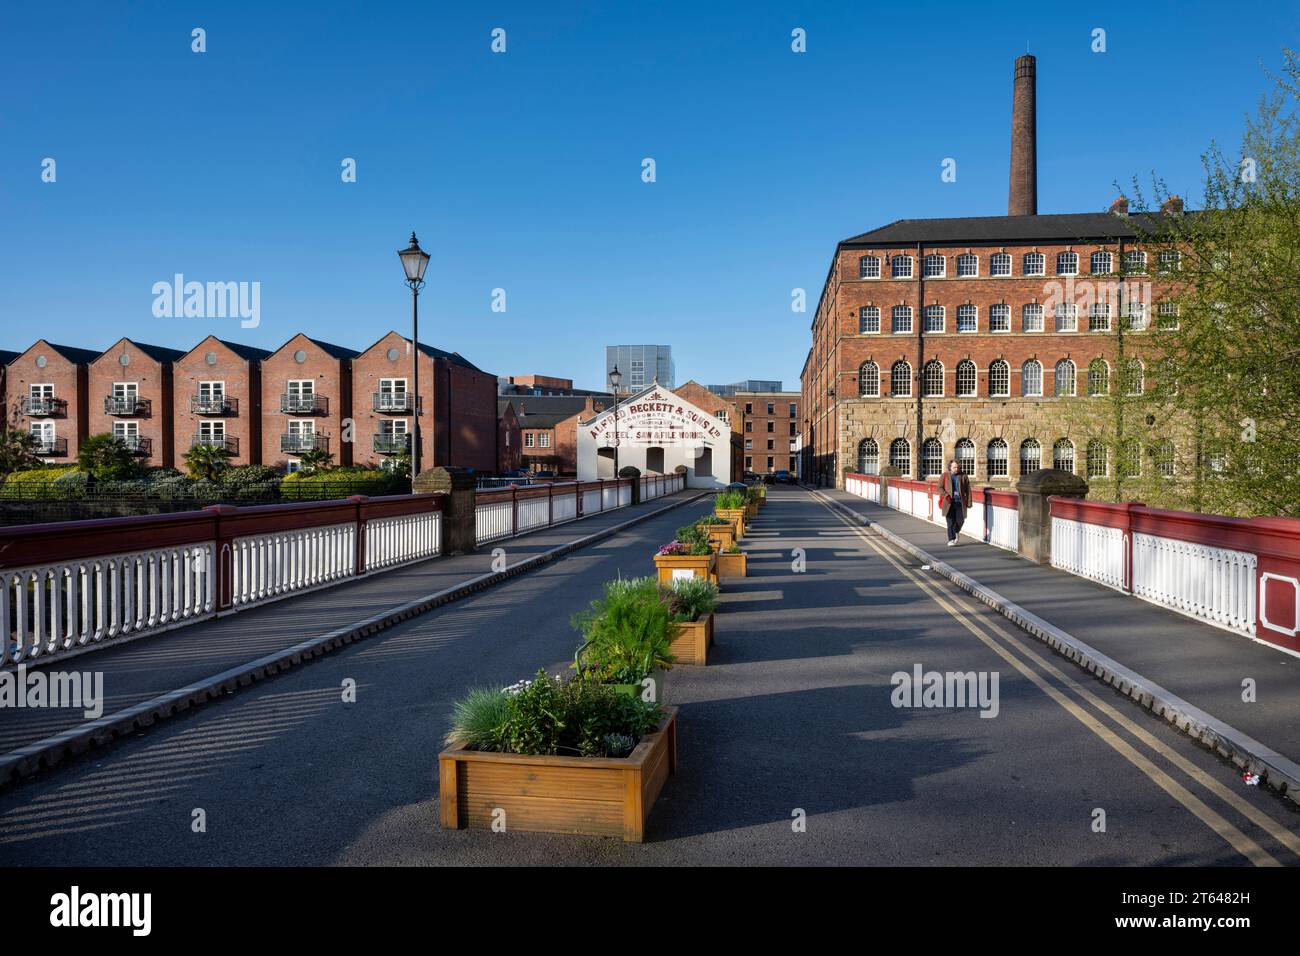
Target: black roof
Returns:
[[454, 357], [542, 411], [7, 356], [73, 354], [991, 229], [334, 351], [247, 352], [159, 353]]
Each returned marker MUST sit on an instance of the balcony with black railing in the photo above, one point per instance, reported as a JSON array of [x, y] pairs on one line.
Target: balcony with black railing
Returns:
[[143, 447], [304, 404], [50, 447], [399, 402], [127, 405], [228, 442], [296, 444], [46, 406], [214, 405], [392, 444]]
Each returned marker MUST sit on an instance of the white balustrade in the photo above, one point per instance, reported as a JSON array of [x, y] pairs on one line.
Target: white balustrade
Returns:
[[565, 505], [1089, 550], [264, 567], [590, 501], [493, 519], [55, 610], [402, 539], [1212, 584]]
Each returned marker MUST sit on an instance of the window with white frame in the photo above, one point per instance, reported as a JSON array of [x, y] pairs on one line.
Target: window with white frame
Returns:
[[1099, 263], [1167, 315], [1067, 317], [1098, 459], [869, 267], [900, 319], [1135, 260], [1000, 318], [995, 459], [43, 437], [869, 380], [529, 440], [966, 378], [1031, 379], [967, 318], [932, 379], [900, 379], [934, 318], [1098, 377], [966, 457], [868, 457], [900, 455], [999, 379], [1064, 377], [1031, 456], [212, 392], [1000, 264], [934, 266], [1099, 317], [1171, 260], [868, 319], [900, 267], [128, 432], [1164, 456], [1067, 263], [1034, 264], [1063, 455], [968, 264], [1128, 460], [1031, 318], [931, 458], [1135, 311], [212, 432], [1134, 374]]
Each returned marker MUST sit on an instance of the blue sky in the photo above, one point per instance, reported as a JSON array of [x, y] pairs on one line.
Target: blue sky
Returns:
[[522, 170]]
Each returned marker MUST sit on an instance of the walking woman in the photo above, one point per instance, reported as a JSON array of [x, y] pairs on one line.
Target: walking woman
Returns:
[[954, 500]]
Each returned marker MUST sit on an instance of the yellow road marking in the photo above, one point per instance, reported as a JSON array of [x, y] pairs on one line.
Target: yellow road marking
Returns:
[[1238, 840]]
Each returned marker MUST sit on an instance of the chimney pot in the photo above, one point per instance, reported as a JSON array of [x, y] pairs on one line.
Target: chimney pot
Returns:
[[1120, 206], [1022, 197], [1173, 206]]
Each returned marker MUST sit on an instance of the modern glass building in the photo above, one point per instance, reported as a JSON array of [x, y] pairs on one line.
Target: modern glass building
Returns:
[[748, 385], [641, 365]]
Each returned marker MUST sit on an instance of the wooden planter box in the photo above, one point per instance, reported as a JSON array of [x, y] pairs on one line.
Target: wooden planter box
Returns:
[[736, 516], [595, 796], [751, 509], [691, 641], [699, 566], [724, 535], [732, 565]]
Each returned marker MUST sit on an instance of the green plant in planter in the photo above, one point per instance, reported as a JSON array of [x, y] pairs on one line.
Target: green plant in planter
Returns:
[[695, 538], [712, 520], [728, 501], [690, 599], [478, 720], [627, 633]]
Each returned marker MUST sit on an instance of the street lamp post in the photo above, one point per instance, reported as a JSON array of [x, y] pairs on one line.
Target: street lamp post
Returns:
[[414, 261], [614, 379]]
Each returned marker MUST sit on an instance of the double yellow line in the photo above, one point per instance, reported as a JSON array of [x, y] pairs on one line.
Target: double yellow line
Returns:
[[1002, 643]]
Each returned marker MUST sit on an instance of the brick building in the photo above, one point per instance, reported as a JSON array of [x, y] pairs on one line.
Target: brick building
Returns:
[[771, 424], [218, 399], [723, 409], [47, 395], [548, 427], [509, 438], [132, 396], [306, 398], [966, 338]]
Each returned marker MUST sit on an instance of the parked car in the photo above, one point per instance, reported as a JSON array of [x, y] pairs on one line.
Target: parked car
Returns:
[[783, 477]]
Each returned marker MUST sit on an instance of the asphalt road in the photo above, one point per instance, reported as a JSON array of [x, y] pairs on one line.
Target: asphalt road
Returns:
[[793, 713]]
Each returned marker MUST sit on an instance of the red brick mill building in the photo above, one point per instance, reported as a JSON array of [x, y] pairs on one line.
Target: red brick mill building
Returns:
[[961, 338]]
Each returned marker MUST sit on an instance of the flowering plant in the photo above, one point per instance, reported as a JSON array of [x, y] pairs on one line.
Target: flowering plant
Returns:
[[674, 547]]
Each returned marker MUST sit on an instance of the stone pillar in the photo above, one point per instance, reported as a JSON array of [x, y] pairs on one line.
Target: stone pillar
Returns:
[[631, 471], [1035, 510], [458, 504], [886, 472]]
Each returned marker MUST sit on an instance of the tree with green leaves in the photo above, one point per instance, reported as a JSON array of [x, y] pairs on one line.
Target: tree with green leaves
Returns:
[[315, 460], [107, 457], [207, 461], [16, 450]]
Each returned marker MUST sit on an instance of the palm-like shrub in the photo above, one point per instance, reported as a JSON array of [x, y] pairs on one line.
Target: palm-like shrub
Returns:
[[207, 461], [315, 460], [106, 456]]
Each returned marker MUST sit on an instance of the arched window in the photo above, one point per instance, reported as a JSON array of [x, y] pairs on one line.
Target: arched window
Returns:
[[1031, 456], [869, 380], [1000, 318], [999, 264], [931, 458], [966, 457], [932, 379], [1063, 455], [900, 267], [1133, 377], [1098, 460], [1067, 263], [900, 455], [1034, 264], [995, 459], [966, 378], [1129, 460], [999, 379], [869, 267], [934, 318], [1099, 263], [1098, 377], [1031, 318], [868, 457], [1065, 377], [1135, 260], [967, 318], [934, 266], [868, 319], [900, 380], [1164, 456], [968, 265], [900, 318], [1031, 379]]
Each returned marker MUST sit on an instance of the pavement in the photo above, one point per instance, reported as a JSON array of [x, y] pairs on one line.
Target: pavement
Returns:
[[1203, 664], [141, 670], [791, 748]]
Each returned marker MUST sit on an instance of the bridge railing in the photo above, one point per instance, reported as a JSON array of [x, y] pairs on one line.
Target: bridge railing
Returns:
[[994, 516], [505, 512]]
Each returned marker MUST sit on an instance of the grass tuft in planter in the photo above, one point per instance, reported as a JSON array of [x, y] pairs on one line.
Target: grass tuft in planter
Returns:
[[627, 637]]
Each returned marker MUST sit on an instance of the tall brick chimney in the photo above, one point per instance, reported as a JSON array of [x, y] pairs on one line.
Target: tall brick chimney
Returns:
[[1022, 198]]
